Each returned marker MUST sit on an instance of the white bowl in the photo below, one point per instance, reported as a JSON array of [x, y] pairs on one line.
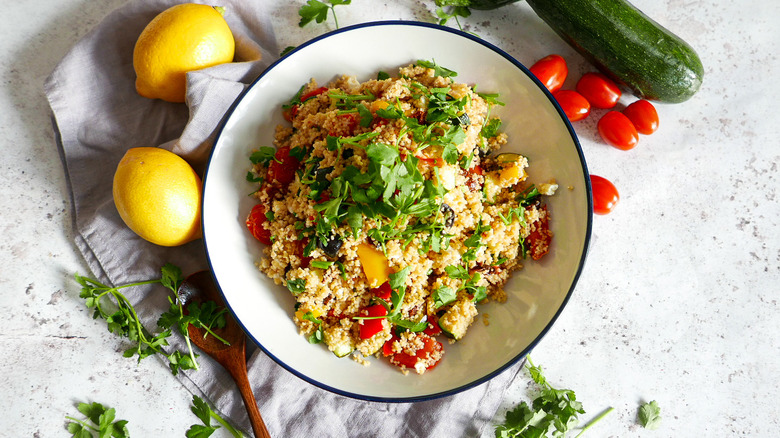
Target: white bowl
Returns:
[[537, 128]]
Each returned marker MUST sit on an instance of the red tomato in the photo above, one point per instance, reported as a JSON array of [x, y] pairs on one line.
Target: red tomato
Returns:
[[433, 328], [383, 291], [551, 71], [431, 347], [538, 241], [370, 327], [283, 167], [605, 195], [387, 347], [573, 104], [313, 93], [618, 131], [643, 115], [600, 91], [300, 249], [255, 221]]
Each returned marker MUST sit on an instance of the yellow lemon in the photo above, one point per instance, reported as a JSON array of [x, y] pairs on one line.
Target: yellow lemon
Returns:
[[158, 196], [182, 38]]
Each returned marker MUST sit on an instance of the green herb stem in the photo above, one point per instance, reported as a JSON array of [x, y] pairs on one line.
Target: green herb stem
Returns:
[[598, 418]]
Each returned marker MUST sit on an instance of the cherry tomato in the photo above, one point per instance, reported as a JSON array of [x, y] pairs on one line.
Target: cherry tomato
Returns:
[[370, 327], [283, 167], [551, 71], [643, 115], [573, 104], [538, 241], [255, 221], [431, 347], [605, 195], [600, 91], [618, 131]]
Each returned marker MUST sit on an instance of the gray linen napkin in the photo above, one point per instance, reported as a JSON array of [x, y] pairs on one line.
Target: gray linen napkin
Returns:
[[98, 116]]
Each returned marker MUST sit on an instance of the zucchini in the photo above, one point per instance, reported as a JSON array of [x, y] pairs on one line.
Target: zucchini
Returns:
[[621, 41], [626, 45]]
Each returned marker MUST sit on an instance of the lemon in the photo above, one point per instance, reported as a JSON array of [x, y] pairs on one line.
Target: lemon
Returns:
[[182, 38], [158, 196]]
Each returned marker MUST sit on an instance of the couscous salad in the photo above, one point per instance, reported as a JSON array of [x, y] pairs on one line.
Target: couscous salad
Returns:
[[390, 213]]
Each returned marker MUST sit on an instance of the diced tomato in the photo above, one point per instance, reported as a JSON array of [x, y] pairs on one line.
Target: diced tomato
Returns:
[[312, 93], [299, 249], [255, 221], [473, 182], [433, 328], [437, 162], [370, 327], [383, 291], [289, 113], [324, 197], [283, 166], [387, 348], [538, 242], [431, 348]]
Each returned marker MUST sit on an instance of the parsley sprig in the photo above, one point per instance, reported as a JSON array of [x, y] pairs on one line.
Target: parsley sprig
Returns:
[[202, 410], [554, 412], [122, 319], [315, 10], [99, 419]]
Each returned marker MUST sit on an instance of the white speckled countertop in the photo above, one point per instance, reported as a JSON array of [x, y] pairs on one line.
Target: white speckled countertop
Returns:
[[678, 301]]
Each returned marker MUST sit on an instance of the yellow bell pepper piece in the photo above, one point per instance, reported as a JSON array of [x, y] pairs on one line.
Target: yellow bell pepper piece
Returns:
[[374, 263]]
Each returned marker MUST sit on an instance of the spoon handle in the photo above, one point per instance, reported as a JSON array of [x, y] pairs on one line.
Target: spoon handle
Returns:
[[237, 369], [242, 381]]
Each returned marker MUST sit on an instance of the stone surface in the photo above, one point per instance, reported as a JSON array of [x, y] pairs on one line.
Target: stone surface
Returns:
[[678, 301]]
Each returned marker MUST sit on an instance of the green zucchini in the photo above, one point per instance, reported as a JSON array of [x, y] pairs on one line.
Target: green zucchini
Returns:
[[621, 41], [626, 45]]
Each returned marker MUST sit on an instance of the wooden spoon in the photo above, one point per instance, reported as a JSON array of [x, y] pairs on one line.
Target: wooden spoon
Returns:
[[200, 287]]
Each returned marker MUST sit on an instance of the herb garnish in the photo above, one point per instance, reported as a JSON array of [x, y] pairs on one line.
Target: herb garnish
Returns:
[[318, 11], [202, 410], [99, 419], [553, 411], [122, 319], [649, 415], [317, 336]]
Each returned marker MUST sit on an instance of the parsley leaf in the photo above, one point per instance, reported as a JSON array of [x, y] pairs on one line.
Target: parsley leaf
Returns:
[[315, 10], [437, 69], [296, 285], [650, 415], [202, 410], [443, 296], [264, 155], [98, 419]]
